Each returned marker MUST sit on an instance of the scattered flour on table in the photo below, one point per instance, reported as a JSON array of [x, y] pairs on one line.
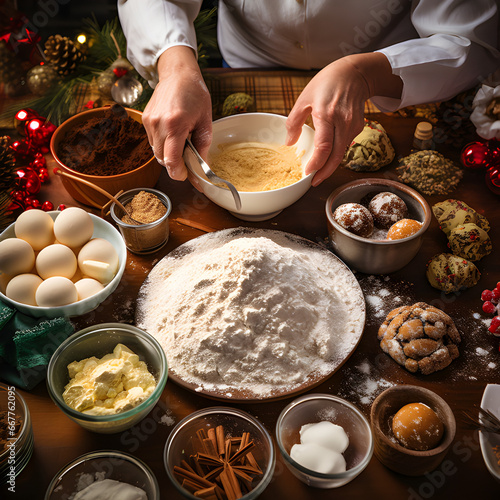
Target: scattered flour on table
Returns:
[[251, 313]]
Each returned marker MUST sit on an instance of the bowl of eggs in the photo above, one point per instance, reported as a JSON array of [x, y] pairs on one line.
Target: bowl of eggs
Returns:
[[413, 429], [59, 263], [376, 226], [248, 151]]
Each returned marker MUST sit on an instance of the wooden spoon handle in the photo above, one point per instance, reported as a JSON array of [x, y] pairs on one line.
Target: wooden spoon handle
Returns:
[[58, 171]]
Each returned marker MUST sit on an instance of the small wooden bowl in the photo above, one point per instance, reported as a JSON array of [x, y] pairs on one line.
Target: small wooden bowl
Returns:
[[388, 450], [145, 175]]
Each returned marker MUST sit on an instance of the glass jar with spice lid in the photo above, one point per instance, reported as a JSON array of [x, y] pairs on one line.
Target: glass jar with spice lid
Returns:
[[422, 139], [145, 227]]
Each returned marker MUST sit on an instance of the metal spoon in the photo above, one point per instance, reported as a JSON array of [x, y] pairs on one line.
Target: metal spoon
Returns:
[[212, 177]]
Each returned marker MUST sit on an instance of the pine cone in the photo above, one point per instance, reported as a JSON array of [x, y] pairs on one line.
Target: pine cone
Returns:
[[63, 54], [10, 69], [7, 166]]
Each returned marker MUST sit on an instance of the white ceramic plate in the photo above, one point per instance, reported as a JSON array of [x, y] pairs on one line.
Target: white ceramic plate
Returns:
[[487, 440], [102, 229]]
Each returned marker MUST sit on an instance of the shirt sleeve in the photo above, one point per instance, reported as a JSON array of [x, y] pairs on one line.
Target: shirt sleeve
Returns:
[[457, 49], [153, 26]]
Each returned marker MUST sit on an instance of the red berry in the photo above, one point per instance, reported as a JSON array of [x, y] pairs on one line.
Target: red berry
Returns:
[[495, 324], [488, 307], [486, 295], [496, 293]]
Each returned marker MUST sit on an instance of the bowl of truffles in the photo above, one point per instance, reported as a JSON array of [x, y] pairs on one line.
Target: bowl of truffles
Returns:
[[376, 226], [248, 150]]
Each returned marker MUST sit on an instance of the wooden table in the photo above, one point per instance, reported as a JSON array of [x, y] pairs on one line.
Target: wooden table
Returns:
[[463, 474]]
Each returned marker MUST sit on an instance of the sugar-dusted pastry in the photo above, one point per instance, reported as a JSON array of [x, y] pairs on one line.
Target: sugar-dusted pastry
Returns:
[[356, 218], [420, 337], [370, 150], [470, 242], [451, 273], [451, 213], [387, 208]]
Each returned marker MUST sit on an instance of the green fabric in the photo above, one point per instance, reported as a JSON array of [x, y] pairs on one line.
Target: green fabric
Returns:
[[27, 344]]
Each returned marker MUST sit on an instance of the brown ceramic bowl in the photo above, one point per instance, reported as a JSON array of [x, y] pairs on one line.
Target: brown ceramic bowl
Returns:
[[368, 255], [145, 175], [388, 450]]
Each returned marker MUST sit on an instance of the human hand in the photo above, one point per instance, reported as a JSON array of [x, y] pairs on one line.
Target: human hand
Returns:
[[335, 98], [180, 106]]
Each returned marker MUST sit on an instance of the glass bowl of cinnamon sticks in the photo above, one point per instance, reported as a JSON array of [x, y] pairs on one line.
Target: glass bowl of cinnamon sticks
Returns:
[[219, 452]]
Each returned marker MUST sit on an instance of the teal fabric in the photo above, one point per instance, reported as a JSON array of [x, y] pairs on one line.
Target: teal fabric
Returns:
[[27, 344]]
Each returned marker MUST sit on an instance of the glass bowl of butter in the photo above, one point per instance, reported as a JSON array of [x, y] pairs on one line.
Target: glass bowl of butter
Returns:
[[324, 440], [107, 377], [104, 474]]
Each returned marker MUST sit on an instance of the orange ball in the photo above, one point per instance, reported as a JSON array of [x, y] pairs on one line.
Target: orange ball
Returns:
[[403, 228], [417, 427]]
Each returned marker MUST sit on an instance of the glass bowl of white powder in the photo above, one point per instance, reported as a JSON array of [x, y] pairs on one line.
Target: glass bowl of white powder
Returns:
[[191, 438], [255, 133], [104, 474], [96, 342], [327, 434]]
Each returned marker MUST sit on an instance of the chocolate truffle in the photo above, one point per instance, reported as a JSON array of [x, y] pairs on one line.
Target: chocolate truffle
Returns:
[[387, 208], [354, 217]]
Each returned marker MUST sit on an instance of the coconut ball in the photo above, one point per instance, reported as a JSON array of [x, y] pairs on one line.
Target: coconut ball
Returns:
[[56, 260], [73, 227], [16, 256], [35, 227], [55, 292], [22, 288]]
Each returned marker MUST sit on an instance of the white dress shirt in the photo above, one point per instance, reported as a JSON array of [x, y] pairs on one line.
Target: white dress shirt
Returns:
[[438, 47]]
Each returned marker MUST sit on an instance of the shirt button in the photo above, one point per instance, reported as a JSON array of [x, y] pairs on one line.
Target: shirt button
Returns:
[[299, 45]]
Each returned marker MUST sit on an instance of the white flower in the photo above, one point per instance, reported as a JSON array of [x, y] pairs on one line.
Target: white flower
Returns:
[[486, 126]]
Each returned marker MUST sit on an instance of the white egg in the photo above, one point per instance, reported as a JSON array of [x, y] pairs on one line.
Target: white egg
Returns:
[[16, 256], [73, 227], [98, 259], [35, 227], [22, 288], [56, 260], [55, 292], [87, 287]]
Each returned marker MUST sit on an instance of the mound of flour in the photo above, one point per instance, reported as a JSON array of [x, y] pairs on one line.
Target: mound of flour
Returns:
[[258, 313]]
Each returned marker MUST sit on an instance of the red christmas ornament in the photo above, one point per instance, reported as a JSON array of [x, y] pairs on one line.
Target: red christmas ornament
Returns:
[[119, 72], [21, 150], [28, 180], [18, 196], [493, 179], [476, 155], [23, 116], [43, 174], [36, 204], [47, 206]]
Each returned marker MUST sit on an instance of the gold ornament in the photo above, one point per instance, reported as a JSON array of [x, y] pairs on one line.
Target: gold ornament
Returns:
[[41, 79]]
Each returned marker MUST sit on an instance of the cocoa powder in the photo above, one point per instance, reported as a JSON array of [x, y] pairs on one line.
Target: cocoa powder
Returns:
[[109, 145]]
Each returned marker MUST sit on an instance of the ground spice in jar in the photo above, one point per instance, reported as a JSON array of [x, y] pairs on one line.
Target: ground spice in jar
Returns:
[[108, 145], [145, 207], [138, 227]]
